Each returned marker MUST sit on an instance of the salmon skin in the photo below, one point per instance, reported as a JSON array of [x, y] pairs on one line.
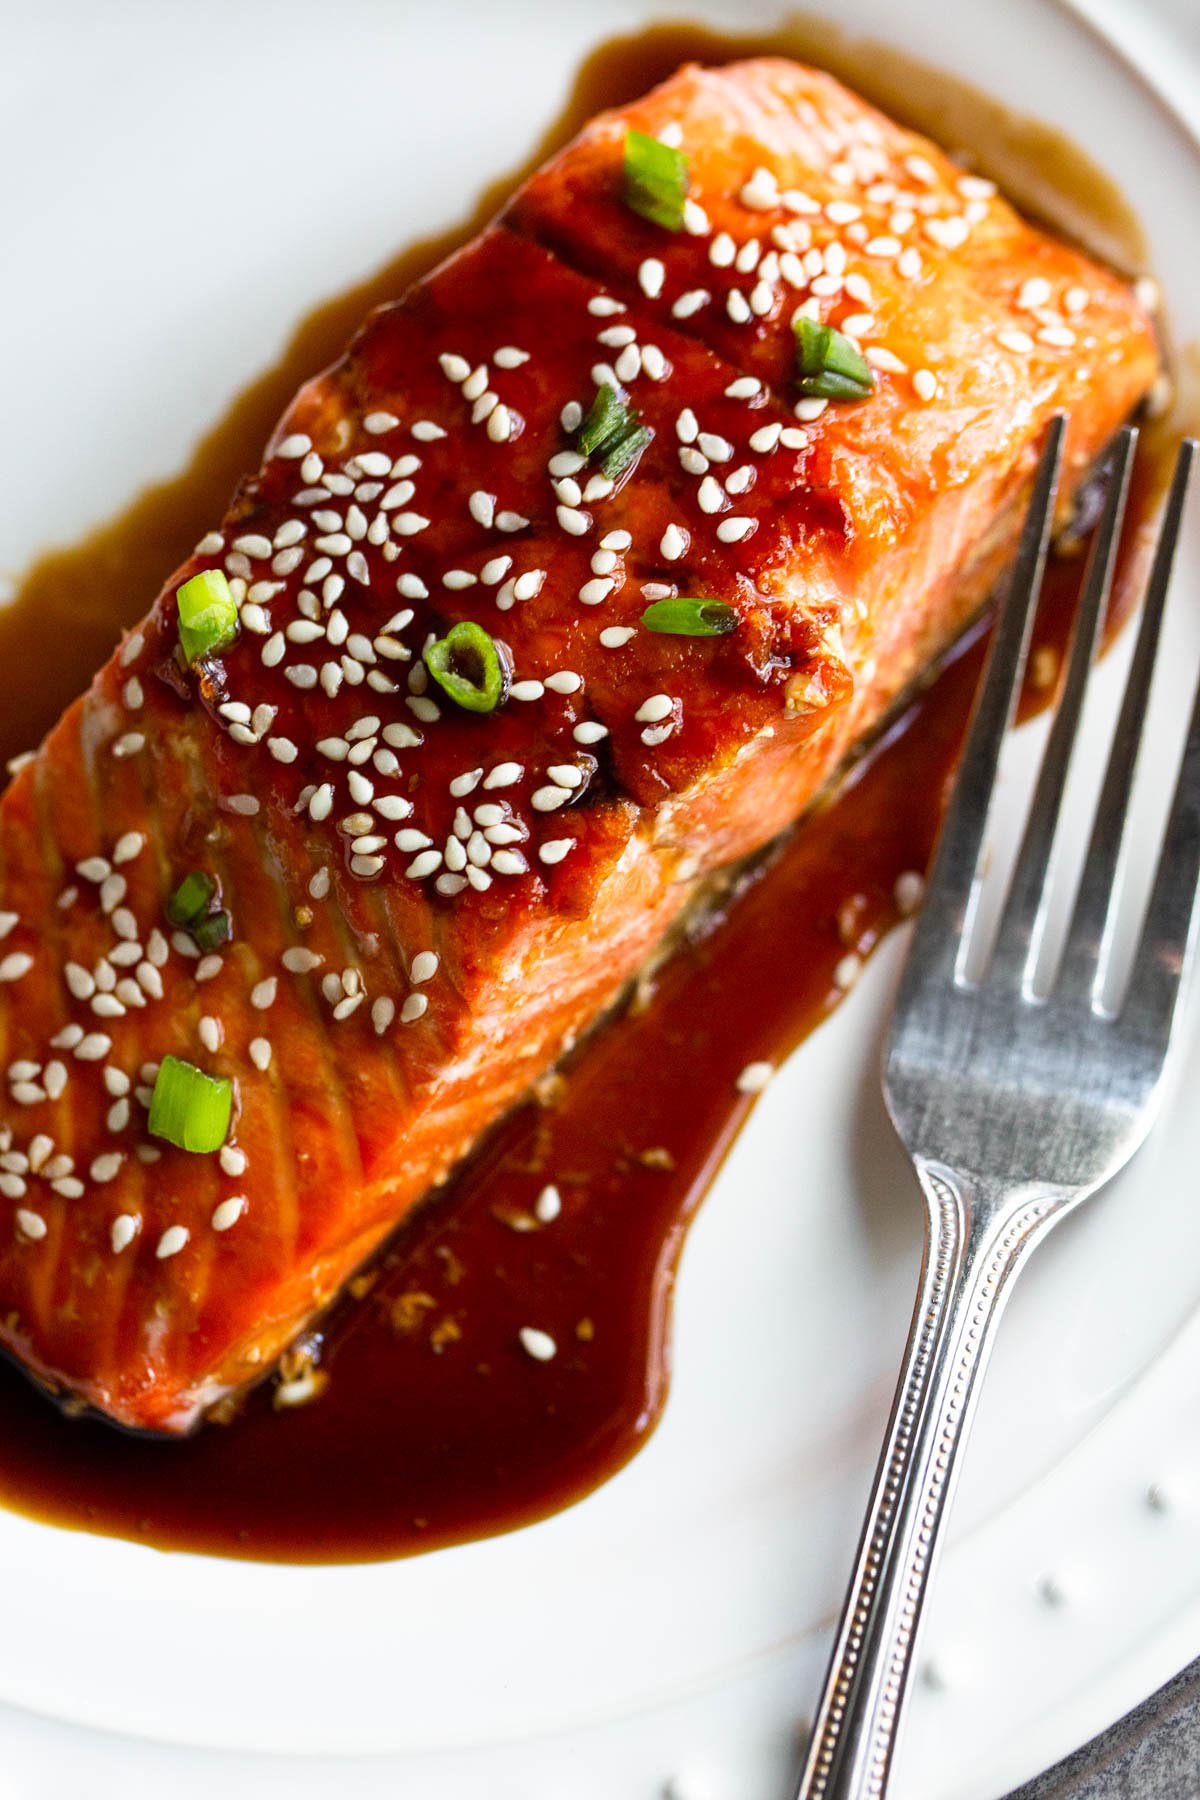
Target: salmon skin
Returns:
[[427, 902]]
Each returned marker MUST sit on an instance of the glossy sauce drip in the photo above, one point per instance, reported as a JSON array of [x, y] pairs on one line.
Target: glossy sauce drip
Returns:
[[433, 1425]]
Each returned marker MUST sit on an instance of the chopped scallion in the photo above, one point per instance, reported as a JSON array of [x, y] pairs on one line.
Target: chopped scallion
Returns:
[[189, 1108], [467, 666], [208, 614], [829, 365], [611, 432], [683, 616], [191, 897], [606, 418], [615, 460], [656, 180], [212, 930]]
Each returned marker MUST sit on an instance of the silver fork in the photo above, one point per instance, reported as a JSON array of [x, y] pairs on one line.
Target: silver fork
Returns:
[[1013, 1105]]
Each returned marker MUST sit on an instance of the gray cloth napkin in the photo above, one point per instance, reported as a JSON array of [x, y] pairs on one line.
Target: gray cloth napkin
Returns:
[[1151, 1754]]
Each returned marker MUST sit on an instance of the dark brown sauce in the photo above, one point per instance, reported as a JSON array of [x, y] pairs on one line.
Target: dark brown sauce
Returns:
[[434, 1426]]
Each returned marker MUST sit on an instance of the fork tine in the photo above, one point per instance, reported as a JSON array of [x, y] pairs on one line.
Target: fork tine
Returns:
[[1080, 972], [1165, 945], [943, 924], [1019, 933]]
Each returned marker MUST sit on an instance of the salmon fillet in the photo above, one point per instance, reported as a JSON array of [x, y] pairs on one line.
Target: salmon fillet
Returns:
[[429, 903]]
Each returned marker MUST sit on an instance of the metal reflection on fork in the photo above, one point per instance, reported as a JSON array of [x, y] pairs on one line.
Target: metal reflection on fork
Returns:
[[1013, 1105]]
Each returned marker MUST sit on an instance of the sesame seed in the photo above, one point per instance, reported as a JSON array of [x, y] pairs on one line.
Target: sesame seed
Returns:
[[548, 1205], [690, 303], [260, 1053], [761, 192], [809, 409], [504, 774], [847, 971], [880, 357], [424, 966], [738, 307], [657, 706], [171, 1242], [733, 530], [106, 1168], [228, 1212], [1019, 342], [654, 363], [122, 1231], [13, 966], [589, 732], [383, 1011], [673, 543], [299, 960], [129, 745], [424, 864], [651, 275], [549, 797], [509, 862], [509, 357], [754, 1077], [537, 1344], [908, 892], [1061, 337], [711, 495], [601, 306], [1033, 293], [500, 425], [30, 1224], [414, 1008]]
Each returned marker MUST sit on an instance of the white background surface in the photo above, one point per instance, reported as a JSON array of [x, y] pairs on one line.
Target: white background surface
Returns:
[[177, 185]]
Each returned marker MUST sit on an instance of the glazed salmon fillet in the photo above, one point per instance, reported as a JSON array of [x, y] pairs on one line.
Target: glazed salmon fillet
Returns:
[[423, 902]]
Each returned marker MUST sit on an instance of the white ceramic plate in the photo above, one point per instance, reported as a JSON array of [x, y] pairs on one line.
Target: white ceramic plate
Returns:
[[179, 184]]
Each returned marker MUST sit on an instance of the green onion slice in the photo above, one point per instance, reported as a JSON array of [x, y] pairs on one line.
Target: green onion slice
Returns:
[[607, 418], [208, 614], [687, 617], [211, 931], [189, 1108], [656, 180], [467, 667], [611, 432], [617, 459], [191, 897], [829, 365]]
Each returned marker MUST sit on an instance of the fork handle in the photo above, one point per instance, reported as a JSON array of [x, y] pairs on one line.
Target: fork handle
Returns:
[[976, 1238]]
